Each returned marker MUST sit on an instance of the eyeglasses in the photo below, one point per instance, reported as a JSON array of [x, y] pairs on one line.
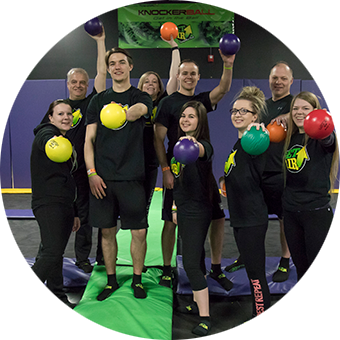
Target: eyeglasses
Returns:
[[242, 111]]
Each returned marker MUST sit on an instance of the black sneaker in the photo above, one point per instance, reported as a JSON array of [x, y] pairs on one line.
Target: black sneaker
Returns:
[[85, 266], [222, 280], [108, 290], [281, 275], [234, 266], [166, 281], [188, 309], [138, 290], [202, 329]]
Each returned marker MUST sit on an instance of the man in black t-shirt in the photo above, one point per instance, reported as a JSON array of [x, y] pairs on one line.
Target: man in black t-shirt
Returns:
[[278, 106], [166, 124], [115, 166]]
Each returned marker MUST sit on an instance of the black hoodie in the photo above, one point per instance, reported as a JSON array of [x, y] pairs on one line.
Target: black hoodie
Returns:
[[51, 182]]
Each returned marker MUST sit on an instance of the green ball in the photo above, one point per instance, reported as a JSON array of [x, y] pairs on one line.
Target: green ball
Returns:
[[254, 142]]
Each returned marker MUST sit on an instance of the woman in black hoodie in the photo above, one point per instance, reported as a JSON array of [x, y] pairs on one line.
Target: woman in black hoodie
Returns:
[[53, 196]]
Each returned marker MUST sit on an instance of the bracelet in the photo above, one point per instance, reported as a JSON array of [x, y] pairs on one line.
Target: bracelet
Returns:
[[165, 168], [174, 48], [91, 172], [174, 209], [227, 68]]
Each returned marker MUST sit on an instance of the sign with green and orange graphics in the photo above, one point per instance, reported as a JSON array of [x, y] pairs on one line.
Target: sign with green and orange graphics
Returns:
[[199, 25]]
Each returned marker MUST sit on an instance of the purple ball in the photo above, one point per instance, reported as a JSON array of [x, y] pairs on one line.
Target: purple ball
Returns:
[[93, 26], [230, 44], [186, 151]]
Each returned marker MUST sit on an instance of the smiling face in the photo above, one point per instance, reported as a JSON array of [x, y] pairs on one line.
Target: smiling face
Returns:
[[188, 77], [241, 121], [151, 86], [280, 80], [119, 68], [300, 110], [189, 121], [77, 86], [62, 117]]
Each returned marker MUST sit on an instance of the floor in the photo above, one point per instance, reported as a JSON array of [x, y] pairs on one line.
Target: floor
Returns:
[[20, 238]]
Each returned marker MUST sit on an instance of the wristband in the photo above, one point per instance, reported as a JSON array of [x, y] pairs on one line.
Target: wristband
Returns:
[[174, 209], [165, 168], [91, 172], [227, 68], [174, 48]]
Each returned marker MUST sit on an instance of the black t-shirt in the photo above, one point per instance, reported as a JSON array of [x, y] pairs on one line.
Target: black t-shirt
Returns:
[[275, 150], [51, 182], [168, 114], [194, 182], [77, 132], [150, 155], [243, 178], [119, 153], [307, 170]]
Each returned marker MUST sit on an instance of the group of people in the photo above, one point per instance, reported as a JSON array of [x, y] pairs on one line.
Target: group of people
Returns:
[[113, 172]]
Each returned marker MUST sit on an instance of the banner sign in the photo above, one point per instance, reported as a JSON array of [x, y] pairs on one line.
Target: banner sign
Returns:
[[199, 25]]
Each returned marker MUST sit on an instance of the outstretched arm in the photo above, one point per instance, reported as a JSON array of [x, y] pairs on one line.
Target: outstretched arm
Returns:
[[97, 184], [136, 111], [224, 86], [172, 85], [159, 137], [100, 79]]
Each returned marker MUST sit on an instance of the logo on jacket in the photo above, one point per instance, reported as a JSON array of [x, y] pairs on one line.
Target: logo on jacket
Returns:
[[296, 158]]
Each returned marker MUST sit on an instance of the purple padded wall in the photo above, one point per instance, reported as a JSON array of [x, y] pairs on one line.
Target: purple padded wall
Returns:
[[5, 166], [29, 108]]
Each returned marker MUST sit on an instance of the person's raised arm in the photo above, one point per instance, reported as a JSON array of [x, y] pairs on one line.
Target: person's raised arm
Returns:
[[225, 83], [97, 184], [172, 84], [160, 132], [100, 79]]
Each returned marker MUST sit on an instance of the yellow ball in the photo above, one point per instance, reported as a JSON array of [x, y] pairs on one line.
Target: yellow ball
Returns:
[[112, 116], [58, 149]]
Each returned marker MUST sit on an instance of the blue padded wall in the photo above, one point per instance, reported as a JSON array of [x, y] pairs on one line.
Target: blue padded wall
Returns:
[[6, 178], [29, 108], [35, 96]]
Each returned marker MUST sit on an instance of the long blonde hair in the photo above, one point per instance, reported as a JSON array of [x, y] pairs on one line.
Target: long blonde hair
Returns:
[[313, 100]]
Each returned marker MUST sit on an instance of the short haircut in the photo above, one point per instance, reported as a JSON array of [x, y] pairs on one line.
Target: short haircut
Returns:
[[77, 70], [117, 50], [189, 61], [284, 63]]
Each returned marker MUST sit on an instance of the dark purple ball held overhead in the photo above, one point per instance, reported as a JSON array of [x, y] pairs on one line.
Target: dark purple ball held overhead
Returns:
[[186, 151], [230, 44], [93, 27]]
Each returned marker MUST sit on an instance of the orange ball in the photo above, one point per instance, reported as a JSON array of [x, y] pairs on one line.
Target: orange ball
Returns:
[[222, 187], [277, 133], [168, 29]]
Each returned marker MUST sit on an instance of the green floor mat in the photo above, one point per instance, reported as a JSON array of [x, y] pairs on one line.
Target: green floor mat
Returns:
[[147, 318]]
